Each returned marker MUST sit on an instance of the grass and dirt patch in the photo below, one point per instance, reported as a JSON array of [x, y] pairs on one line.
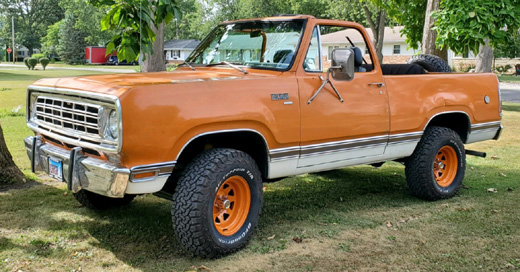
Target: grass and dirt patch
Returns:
[[356, 219]]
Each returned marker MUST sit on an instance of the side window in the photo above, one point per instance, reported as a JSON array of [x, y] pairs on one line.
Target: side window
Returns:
[[312, 59], [332, 37]]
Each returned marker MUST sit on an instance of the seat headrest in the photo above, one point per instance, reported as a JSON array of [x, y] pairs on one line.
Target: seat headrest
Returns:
[[358, 56], [282, 56]]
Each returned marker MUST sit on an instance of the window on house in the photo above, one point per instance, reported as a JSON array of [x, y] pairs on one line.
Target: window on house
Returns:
[[366, 51], [331, 48], [397, 49]]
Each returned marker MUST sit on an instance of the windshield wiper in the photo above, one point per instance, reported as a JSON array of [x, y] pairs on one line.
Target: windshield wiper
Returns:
[[187, 64], [228, 64]]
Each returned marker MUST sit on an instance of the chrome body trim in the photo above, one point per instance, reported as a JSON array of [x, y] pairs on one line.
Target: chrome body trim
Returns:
[[484, 131], [225, 131], [163, 169], [284, 153], [91, 174], [341, 146], [110, 101], [487, 125]]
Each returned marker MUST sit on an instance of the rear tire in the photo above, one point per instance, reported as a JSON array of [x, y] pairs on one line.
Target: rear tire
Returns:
[[437, 166], [217, 202], [430, 63], [99, 202]]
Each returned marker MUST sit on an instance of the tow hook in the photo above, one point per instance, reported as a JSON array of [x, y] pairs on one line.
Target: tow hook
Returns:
[[475, 153]]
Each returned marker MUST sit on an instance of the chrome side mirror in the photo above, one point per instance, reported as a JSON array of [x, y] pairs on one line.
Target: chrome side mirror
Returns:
[[342, 64]]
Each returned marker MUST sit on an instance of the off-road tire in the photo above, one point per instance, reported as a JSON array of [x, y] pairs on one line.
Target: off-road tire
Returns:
[[196, 195], [98, 202], [422, 166], [430, 63]]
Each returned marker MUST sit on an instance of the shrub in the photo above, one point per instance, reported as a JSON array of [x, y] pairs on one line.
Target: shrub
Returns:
[[38, 56], [44, 62], [32, 62], [26, 62]]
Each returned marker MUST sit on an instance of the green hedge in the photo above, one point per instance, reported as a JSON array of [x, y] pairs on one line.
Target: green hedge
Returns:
[[26, 62], [32, 62], [44, 62]]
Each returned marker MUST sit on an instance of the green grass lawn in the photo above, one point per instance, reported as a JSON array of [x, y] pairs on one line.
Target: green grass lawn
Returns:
[[354, 219], [512, 79]]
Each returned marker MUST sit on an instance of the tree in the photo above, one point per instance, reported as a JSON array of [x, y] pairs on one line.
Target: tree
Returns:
[[377, 25], [31, 19], [464, 26], [88, 20], [138, 27], [71, 46], [9, 172], [509, 50], [428, 45], [51, 41], [197, 21]]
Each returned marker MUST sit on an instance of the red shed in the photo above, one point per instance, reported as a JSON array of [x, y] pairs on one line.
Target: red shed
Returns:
[[95, 54]]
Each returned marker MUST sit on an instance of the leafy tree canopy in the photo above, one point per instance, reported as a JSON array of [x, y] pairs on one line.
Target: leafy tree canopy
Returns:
[[465, 25], [133, 21]]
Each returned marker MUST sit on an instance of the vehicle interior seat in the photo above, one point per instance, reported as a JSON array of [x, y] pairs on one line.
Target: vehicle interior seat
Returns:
[[284, 56], [358, 60]]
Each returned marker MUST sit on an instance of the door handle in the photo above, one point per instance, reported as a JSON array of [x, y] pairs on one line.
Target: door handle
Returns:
[[378, 84]]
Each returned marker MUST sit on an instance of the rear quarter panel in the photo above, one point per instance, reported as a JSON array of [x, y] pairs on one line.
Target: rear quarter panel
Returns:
[[415, 99]]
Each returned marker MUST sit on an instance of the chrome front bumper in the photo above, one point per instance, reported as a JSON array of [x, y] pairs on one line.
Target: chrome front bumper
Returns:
[[79, 171]]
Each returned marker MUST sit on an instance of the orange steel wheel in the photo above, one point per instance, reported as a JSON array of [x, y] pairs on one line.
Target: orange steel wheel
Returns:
[[231, 205], [445, 166]]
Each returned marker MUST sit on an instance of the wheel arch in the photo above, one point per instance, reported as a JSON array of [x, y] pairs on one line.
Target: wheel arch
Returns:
[[459, 121], [249, 141]]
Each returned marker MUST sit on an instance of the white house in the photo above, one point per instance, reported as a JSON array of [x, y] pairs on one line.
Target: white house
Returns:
[[395, 49], [179, 49]]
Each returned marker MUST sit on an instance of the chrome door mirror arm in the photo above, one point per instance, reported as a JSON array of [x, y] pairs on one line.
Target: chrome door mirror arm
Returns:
[[324, 82]]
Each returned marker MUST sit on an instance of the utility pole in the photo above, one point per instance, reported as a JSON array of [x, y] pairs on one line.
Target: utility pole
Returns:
[[14, 49]]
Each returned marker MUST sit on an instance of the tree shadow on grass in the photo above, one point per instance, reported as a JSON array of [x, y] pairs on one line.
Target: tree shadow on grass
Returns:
[[511, 107], [6, 75], [141, 234]]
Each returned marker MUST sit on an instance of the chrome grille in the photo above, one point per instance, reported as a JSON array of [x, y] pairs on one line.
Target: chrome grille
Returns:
[[76, 116]]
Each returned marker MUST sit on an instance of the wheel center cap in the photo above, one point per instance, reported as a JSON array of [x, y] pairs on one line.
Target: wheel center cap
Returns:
[[226, 204]]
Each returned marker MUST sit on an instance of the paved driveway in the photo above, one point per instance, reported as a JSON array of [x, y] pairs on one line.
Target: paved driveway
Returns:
[[510, 92]]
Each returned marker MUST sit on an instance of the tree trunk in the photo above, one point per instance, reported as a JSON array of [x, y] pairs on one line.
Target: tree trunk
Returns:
[[429, 35], [156, 61], [9, 172], [484, 58], [378, 29], [31, 50]]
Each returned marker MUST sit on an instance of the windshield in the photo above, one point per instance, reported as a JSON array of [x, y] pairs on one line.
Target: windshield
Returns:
[[256, 44]]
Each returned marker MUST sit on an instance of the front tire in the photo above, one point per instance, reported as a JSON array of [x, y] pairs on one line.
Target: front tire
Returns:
[[437, 166], [217, 202], [98, 202]]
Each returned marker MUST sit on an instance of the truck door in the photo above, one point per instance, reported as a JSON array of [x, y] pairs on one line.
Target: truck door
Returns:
[[334, 132]]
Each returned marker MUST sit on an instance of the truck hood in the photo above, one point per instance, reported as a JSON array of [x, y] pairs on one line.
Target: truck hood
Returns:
[[117, 84]]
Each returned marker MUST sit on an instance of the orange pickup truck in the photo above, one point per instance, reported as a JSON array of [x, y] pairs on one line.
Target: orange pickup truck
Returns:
[[257, 100]]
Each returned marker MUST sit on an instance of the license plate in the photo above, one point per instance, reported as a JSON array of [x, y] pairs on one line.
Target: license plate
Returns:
[[56, 168]]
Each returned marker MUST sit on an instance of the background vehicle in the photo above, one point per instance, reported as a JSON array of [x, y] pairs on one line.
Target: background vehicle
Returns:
[[113, 60]]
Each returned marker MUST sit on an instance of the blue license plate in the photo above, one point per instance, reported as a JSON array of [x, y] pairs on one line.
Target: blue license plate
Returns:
[[56, 168]]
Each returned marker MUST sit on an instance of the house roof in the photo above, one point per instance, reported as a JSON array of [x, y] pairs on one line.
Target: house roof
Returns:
[[392, 34], [180, 44]]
